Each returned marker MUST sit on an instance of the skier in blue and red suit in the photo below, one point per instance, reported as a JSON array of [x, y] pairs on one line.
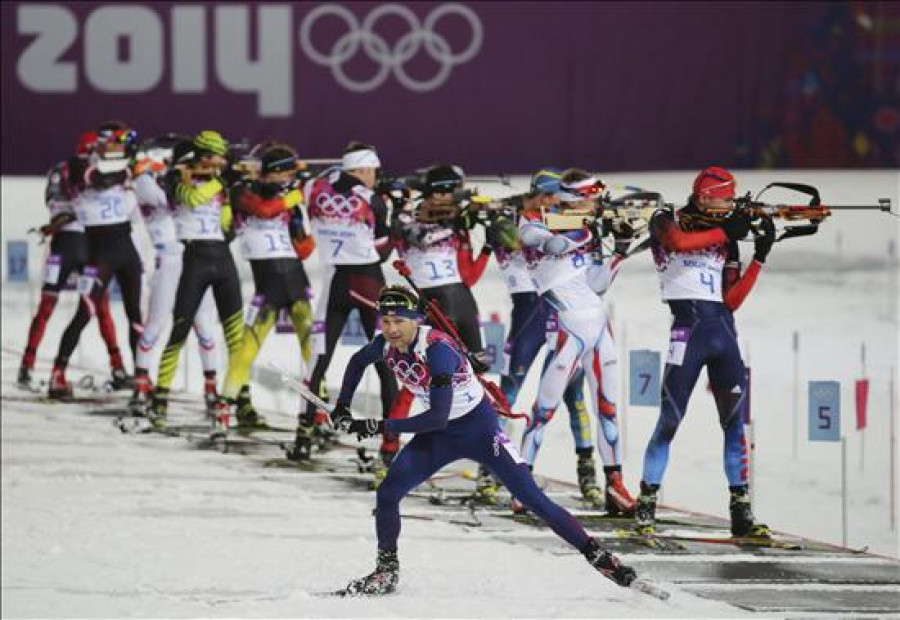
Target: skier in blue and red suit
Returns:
[[696, 254], [458, 422]]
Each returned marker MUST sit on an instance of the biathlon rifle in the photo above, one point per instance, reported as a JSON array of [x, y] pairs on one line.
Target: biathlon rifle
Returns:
[[438, 319], [799, 219]]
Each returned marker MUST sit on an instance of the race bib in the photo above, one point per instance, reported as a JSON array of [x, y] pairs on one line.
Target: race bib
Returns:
[[678, 341], [52, 268]]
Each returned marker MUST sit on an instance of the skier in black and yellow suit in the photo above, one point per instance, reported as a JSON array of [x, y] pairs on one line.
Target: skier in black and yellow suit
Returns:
[[198, 187], [272, 237]]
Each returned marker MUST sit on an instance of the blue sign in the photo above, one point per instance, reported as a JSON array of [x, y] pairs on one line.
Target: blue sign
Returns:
[[643, 378], [824, 411], [494, 341], [354, 335], [17, 261]]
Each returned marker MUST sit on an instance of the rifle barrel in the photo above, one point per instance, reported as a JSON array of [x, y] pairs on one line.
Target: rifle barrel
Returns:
[[884, 205]]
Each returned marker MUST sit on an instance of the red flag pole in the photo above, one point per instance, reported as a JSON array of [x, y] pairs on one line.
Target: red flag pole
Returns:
[[862, 400]]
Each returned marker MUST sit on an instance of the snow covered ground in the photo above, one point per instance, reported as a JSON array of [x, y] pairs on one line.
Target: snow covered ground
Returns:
[[97, 524]]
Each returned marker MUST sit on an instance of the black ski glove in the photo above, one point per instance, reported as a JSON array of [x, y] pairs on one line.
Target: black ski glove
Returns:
[[365, 428], [736, 225], [763, 243], [341, 417]]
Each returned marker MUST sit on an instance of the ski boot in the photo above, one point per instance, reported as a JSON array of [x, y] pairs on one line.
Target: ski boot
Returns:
[[383, 580], [159, 409], [59, 389], [23, 381], [587, 481], [645, 510], [246, 414], [618, 499], [487, 490], [140, 398], [119, 380], [210, 394], [303, 442], [609, 565], [743, 524], [221, 419]]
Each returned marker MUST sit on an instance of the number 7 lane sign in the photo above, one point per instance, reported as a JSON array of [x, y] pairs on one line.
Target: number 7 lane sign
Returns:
[[643, 378]]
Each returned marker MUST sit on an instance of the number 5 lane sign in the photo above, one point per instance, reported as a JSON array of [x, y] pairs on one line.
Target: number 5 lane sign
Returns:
[[824, 411]]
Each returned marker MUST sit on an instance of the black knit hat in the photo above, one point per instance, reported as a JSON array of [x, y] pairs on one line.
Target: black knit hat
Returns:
[[443, 179]]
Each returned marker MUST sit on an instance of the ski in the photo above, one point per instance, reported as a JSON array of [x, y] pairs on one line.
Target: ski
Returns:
[[72, 400], [265, 428], [650, 588], [651, 541], [345, 593], [765, 542], [762, 542], [301, 466]]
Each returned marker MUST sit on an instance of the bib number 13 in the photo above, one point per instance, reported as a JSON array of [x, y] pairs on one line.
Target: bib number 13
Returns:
[[447, 269]]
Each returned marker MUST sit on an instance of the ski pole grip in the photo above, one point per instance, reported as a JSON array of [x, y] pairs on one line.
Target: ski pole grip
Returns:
[[402, 268]]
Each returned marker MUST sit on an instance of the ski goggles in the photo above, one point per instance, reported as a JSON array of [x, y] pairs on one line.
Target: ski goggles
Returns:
[[587, 189]]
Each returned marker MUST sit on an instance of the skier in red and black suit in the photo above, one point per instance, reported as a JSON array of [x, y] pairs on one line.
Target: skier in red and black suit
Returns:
[[68, 254], [349, 222], [105, 206]]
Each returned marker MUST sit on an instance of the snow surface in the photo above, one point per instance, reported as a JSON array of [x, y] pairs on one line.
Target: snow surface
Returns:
[[97, 524]]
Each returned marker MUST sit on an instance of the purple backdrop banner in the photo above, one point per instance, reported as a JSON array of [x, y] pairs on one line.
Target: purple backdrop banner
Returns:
[[493, 86]]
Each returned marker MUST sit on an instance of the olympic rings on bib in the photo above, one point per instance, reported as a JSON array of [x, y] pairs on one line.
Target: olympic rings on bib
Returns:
[[336, 205]]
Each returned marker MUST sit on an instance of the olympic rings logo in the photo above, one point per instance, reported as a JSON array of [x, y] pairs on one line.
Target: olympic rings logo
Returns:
[[413, 373], [337, 205], [391, 58]]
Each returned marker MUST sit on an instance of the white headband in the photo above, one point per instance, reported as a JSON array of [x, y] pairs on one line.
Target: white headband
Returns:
[[365, 158]]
